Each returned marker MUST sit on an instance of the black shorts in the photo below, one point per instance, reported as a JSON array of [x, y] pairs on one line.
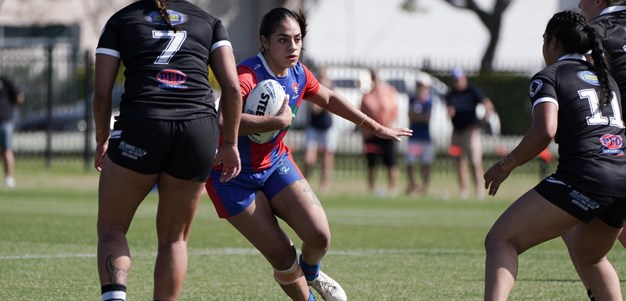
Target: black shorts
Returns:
[[379, 147], [185, 149], [583, 205]]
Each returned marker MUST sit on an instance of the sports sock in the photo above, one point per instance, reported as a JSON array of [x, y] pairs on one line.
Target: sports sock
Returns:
[[113, 292], [310, 271], [590, 295], [311, 296]]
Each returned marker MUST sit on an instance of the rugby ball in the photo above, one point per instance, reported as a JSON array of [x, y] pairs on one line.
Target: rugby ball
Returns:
[[265, 99]]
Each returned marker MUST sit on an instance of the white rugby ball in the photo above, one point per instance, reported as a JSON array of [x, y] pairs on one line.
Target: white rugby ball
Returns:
[[265, 99]]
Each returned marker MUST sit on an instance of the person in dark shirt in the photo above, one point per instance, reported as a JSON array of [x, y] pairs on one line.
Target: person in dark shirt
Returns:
[[578, 105], [166, 134], [321, 139], [462, 102], [10, 98]]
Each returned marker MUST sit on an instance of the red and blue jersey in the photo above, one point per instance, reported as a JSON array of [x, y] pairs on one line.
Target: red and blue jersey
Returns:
[[299, 83]]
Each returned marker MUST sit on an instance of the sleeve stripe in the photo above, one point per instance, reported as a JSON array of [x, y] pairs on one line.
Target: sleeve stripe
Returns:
[[546, 99], [220, 44], [108, 51]]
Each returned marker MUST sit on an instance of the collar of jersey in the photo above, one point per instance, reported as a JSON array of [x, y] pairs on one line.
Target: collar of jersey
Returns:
[[613, 9], [573, 56]]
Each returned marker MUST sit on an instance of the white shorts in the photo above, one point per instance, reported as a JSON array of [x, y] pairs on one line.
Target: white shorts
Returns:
[[420, 151], [321, 139]]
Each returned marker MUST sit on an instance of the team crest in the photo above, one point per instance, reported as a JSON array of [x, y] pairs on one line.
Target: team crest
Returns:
[[283, 168], [295, 88], [589, 77], [535, 86]]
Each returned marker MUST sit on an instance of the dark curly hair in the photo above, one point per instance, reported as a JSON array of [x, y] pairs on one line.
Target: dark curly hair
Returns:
[[577, 36]]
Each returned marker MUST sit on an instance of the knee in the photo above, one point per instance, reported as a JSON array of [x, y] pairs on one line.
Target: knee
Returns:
[[320, 240], [496, 242]]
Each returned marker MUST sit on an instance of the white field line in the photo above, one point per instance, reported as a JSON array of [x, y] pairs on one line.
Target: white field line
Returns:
[[250, 251]]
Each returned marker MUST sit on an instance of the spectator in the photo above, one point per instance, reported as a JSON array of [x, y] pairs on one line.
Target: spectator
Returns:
[[420, 148], [10, 99], [380, 103], [462, 102], [321, 139]]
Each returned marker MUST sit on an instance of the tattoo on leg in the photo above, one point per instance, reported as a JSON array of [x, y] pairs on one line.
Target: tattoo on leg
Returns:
[[309, 191], [116, 276]]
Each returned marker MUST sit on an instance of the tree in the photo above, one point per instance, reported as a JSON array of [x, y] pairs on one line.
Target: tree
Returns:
[[491, 19]]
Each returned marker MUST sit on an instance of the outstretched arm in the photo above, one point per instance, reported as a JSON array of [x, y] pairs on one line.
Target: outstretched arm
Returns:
[[338, 105]]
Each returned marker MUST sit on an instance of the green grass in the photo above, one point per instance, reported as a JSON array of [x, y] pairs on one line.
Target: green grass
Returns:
[[427, 248]]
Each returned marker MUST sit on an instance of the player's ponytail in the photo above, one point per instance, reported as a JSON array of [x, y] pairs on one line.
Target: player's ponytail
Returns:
[[164, 14], [601, 65]]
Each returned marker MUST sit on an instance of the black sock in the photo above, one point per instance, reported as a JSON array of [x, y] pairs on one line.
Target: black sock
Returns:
[[113, 292]]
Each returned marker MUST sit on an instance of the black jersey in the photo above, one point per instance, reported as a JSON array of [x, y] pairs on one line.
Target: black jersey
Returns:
[[590, 138], [166, 70], [611, 25], [464, 103]]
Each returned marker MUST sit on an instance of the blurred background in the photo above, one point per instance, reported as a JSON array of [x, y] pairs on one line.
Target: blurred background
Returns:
[[47, 48]]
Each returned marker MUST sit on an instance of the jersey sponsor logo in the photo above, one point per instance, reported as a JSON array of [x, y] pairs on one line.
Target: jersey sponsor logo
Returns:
[[131, 151], [535, 86], [589, 77], [176, 18], [583, 202], [612, 144], [171, 79]]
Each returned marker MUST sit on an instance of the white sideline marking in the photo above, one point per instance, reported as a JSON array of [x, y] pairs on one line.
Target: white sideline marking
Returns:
[[248, 251]]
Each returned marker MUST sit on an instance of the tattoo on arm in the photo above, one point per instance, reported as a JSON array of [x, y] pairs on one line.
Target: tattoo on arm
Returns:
[[116, 276], [507, 162]]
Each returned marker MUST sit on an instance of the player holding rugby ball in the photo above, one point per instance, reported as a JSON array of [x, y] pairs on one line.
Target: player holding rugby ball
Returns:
[[269, 168]]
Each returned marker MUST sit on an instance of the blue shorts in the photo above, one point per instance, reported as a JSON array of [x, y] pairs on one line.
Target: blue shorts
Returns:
[[233, 197], [6, 135]]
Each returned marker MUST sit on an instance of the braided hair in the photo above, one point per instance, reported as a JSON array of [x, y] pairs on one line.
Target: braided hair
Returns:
[[164, 14], [577, 36]]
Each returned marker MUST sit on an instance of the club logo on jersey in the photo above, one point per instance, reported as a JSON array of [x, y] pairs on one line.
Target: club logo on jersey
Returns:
[[535, 86], [612, 144], [171, 79], [589, 77], [283, 168], [176, 18]]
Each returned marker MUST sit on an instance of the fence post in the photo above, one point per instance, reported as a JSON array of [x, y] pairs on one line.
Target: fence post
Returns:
[[88, 111], [48, 151]]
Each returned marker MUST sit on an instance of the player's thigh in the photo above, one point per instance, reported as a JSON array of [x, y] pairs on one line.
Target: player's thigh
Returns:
[[120, 192], [529, 221], [298, 205], [589, 242], [178, 201], [260, 227]]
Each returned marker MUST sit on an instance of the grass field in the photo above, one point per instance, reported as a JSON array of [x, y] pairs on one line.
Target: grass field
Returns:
[[427, 248]]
